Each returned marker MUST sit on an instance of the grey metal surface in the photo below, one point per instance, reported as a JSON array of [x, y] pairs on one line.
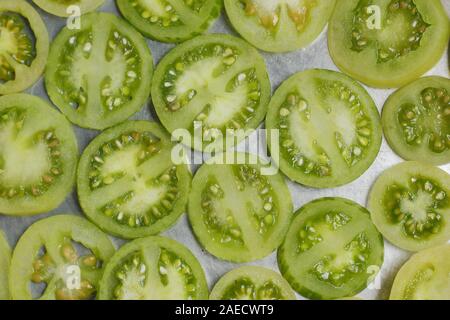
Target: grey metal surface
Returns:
[[280, 67]]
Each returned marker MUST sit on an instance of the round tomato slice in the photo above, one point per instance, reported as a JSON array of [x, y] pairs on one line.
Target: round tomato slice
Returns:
[[279, 25], [252, 283], [330, 248], [424, 277], [329, 128], [38, 156], [236, 212], [416, 121], [24, 45], [170, 20], [387, 44], [410, 205], [5, 259], [62, 8], [99, 75], [153, 268], [211, 85], [127, 182], [61, 257]]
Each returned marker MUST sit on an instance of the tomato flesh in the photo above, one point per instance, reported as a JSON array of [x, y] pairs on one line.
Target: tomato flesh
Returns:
[[424, 277], [5, 259], [101, 74], [252, 283], [24, 45], [329, 128], [153, 268], [410, 205], [279, 25], [209, 85], [127, 182], [38, 156], [330, 249], [236, 212], [416, 121], [65, 253], [170, 21], [409, 39]]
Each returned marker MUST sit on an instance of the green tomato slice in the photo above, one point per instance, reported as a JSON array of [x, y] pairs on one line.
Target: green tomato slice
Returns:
[[410, 205], [331, 249], [252, 283], [5, 259], [62, 8], [329, 128], [24, 45], [416, 121], [387, 43], [170, 20], [209, 85], [127, 182], [279, 25], [153, 268], [236, 212], [38, 156], [61, 257], [424, 277], [99, 75]]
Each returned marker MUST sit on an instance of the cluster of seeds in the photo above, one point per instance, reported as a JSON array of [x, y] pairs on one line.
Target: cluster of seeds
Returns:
[[435, 108], [45, 269], [174, 102], [352, 154], [244, 289], [16, 43], [250, 176], [415, 206], [156, 212], [132, 275], [150, 145], [296, 104], [422, 275], [224, 230], [308, 236], [338, 274], [163, 14], [112, 98], [269, 13], [362, 37], [17, 118]]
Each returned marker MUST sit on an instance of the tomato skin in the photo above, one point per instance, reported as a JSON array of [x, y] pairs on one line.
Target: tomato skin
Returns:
[[393, 130], [435, 267], [363, 65], [27, 76], [290, 39], [99, 119], [304, 282], [211, 10], [61, 9], [51, 231], [107, 283], [107, 223], [394, 232], [5, 259], [40, 112]]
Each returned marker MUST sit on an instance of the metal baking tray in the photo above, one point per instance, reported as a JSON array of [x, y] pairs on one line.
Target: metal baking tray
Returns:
[[280, 67]]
